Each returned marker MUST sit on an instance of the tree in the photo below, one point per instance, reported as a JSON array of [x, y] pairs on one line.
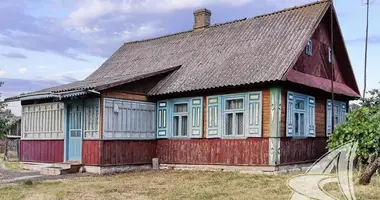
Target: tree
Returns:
[[362, 126], [5, 115]]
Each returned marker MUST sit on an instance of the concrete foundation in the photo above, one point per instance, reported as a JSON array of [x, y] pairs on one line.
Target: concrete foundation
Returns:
[[115, 169]]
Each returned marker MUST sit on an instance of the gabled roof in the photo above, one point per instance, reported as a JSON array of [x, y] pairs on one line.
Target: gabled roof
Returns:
[[246, 51], [240, 52]]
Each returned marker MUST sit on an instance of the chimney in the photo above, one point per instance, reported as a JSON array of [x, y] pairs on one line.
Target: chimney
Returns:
[[201, 19]]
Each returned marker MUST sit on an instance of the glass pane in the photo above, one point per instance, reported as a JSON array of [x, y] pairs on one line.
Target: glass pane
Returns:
[[336, 108], [184, 126], [296, 123], [302, 124], [180, 108], [175, 125], [239, 123], [229, 121], [234, 104], [300, 104]]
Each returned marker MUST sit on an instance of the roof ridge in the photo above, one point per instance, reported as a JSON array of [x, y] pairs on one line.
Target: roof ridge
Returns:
[[233, 21]]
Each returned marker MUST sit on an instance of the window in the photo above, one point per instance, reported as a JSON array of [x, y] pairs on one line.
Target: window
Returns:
[[125, 119], [179, 118], [330, 55], [234, 115], [91, 119], [336, 110], [309, 48], [42, 121], [300, 115], [180, 115]]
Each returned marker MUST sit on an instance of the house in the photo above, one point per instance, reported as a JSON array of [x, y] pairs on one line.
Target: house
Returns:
[[251, 93]]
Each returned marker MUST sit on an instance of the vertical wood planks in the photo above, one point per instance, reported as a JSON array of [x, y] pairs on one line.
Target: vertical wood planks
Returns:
[[251, 151], [44, 151], [124, 152], [302, 150]]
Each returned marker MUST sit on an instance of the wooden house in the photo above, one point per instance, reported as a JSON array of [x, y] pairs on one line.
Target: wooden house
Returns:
[[14, 131], [254, 92]]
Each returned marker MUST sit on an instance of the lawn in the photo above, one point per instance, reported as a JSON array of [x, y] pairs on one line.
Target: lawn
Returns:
[[167, 185], [13, 161]]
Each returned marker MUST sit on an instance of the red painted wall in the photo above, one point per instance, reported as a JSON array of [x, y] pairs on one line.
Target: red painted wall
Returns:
[[302, 150], [251, 151], [91, 152], [123, 152], [44, 151], [318, 64]]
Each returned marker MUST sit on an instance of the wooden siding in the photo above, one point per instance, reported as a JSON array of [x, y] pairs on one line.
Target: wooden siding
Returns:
[[91, 152], [251, 151], [126, 152], [318, 64], [42, 151], [301, 150], [124, 95], [91, 118], [266, 113], [132, 119]]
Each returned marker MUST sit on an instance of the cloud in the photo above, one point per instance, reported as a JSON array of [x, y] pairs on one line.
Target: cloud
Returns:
[[371, 39], [22, 70], [14, 55], [99, 27], [2, 72], [14, 87]]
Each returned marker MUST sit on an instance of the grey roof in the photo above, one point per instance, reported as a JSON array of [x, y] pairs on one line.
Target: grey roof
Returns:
[[246, 51]]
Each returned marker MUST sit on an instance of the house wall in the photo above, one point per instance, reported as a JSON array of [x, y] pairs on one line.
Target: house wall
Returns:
[[317, 64], [294, 150], [44, 151], [251, 151]]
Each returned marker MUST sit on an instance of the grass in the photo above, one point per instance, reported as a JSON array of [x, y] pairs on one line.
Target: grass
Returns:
[[169, 185]]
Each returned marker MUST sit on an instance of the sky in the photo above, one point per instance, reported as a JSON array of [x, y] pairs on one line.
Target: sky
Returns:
[[44, 43]]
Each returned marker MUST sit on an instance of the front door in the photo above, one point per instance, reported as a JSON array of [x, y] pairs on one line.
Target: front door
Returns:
[[74, 133]]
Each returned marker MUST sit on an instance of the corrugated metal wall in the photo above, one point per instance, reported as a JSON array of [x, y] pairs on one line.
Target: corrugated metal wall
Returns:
[[43, 121], [125, 119]]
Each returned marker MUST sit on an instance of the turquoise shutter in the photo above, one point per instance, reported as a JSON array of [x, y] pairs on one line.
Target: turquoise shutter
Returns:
[[196, 117], [290, 114], [254, 114], [162, 119], [328, 118], [343, 112], [311, 116], [213, 117]]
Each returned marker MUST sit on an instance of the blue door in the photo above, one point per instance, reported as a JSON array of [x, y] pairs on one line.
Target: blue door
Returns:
[[74, 133]]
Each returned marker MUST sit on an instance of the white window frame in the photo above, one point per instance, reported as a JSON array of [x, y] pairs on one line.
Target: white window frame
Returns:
[[234, 113], [180, 116]]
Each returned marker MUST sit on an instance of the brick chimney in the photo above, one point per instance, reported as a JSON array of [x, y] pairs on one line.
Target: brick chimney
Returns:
[[201, 19]]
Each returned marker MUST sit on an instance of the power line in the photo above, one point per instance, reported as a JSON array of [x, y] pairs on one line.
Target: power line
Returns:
[[366, 51]]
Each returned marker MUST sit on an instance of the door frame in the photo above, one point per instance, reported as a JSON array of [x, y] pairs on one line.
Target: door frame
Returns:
[[67, 129]]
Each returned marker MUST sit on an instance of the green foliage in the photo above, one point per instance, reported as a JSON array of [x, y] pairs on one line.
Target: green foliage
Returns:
[[363, 126], [5, 115]]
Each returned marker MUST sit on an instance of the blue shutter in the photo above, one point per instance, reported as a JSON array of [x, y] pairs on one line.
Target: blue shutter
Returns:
[[196, 117], [213, 117], [290, 114], [309, 48], [162, 119], [343, 117], [254, 114], [311, 116], [328, 118]]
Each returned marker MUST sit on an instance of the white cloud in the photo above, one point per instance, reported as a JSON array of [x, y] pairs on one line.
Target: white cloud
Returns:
[[90, 10], [22, 70], [2, 72]]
